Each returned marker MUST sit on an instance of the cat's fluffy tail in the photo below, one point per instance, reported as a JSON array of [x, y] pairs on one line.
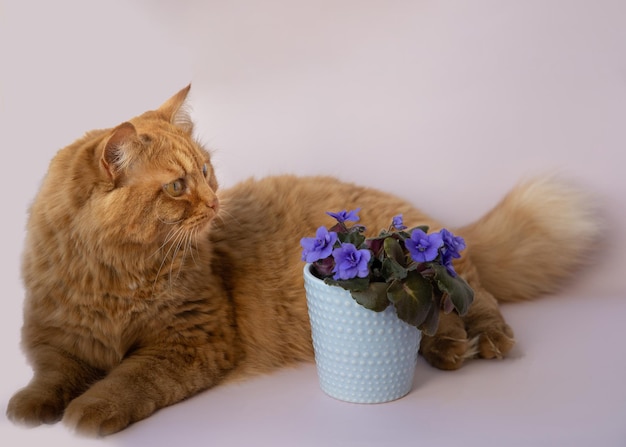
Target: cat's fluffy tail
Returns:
[[534, 239]]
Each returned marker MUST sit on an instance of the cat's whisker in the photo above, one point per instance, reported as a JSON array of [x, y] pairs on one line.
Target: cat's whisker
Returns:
[[225, 213], [193, 244], [165, 243], [179, 244], [173, 222], [182, 247], [189, 246], [218, 219], [170, 235], [186, 244], [171, 239], [180, 238]]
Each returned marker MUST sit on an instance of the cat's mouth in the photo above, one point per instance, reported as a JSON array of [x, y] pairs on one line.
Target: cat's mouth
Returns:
[[200, 222]]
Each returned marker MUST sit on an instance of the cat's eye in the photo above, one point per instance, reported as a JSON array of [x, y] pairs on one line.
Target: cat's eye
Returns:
[[205, 169], [175, 188]]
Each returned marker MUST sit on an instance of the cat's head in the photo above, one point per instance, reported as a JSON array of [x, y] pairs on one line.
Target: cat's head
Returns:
[[159, 167], [146, 181]]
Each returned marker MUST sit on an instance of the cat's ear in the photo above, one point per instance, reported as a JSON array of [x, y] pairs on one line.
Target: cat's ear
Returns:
[[176, 112], [115, 155]]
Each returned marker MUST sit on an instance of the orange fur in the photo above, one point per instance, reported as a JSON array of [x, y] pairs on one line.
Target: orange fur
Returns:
[[533, 240], [144, 285]]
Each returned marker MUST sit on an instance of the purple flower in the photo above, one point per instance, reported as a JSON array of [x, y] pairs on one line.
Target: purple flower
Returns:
[[398, 223], [446, 261], [344, 216], [423, 247], [452, 244], [350, 262], [318, 247]]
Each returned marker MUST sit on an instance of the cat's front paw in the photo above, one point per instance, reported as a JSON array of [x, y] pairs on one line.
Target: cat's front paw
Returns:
[[493, 341], [95, 416], [32, 406], [449, 347]]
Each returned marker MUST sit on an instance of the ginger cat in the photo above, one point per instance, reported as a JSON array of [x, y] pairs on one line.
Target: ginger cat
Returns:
[[145, 285]]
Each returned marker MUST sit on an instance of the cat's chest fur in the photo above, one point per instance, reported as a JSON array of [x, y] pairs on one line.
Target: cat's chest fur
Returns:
[[99, 328]]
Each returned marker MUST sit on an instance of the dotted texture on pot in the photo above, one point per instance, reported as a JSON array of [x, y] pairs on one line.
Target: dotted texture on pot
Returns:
[[362, 356]]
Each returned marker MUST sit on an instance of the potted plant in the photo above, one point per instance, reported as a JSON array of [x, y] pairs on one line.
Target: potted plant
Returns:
[[370, 299]]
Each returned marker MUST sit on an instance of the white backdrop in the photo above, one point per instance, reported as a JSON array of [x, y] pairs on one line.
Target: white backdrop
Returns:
[[446, 103]]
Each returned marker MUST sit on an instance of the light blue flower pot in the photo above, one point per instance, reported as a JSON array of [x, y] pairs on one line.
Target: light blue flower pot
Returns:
[[362, 356]]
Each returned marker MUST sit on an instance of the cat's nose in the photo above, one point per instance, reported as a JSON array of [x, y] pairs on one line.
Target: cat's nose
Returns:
[[214, 204]]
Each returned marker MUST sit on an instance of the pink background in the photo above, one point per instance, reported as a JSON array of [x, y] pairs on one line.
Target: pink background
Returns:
[[446, 103]]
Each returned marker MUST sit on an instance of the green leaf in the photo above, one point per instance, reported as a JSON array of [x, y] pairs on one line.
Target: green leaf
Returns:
[[459, 291], [373, 298], [412, 298], [355, 284], [353, 237], [447, 305], [394, 250], [431, 322], [376, 246], [383, 234], [339, 228], [391, 270]]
